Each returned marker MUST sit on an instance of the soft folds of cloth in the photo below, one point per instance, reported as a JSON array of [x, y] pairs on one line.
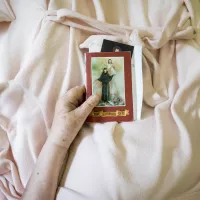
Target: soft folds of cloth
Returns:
[[6, 13], [156, 158]]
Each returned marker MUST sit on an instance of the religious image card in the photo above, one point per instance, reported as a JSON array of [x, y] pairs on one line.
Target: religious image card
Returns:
[[109, 75]]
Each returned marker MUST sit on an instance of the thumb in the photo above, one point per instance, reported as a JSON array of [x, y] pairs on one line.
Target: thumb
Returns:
[[86, 108]]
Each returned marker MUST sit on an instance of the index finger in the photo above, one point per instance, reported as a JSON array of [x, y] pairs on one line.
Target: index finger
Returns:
[[74, 96]]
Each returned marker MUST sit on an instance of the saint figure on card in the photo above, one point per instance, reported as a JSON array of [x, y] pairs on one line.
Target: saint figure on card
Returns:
[[113, 85], [105, 79]]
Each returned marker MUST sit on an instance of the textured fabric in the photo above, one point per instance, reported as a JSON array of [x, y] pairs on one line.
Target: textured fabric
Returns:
[[156, 158], [6, 13]]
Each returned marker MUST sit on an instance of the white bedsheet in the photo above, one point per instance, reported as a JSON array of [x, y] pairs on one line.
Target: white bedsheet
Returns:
[[156, 158]]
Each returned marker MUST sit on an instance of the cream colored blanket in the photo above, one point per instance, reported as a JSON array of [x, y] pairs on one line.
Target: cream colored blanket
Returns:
[[156, 158]]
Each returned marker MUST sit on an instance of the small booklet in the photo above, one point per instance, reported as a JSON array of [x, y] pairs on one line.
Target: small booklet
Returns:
[[109, 75]]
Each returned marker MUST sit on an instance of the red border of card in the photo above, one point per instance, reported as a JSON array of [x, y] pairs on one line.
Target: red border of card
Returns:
[[128, 88]]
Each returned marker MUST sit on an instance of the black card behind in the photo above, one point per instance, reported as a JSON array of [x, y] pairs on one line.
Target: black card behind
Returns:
[[111, 46]]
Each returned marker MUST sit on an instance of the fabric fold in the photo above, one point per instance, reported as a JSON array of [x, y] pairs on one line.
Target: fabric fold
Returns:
[[161, 35], [6, 13], [158, 156]]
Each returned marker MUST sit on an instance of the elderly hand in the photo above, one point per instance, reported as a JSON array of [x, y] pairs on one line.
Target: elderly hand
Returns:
[[70, 114]]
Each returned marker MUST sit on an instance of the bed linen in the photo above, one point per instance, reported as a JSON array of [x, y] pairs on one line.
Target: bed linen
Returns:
[[6, 13], [155, 158]]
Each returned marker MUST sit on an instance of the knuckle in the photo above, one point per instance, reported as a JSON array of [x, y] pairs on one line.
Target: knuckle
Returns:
[[69, 94], [73, 90]]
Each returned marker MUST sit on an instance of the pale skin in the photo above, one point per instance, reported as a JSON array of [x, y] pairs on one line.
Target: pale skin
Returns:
[[70, 114]]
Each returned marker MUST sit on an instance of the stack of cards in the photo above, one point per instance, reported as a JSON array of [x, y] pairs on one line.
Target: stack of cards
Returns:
[[109, 74], [110, 46]]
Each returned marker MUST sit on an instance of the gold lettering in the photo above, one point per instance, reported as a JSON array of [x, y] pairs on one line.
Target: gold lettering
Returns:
[[109, 114]]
